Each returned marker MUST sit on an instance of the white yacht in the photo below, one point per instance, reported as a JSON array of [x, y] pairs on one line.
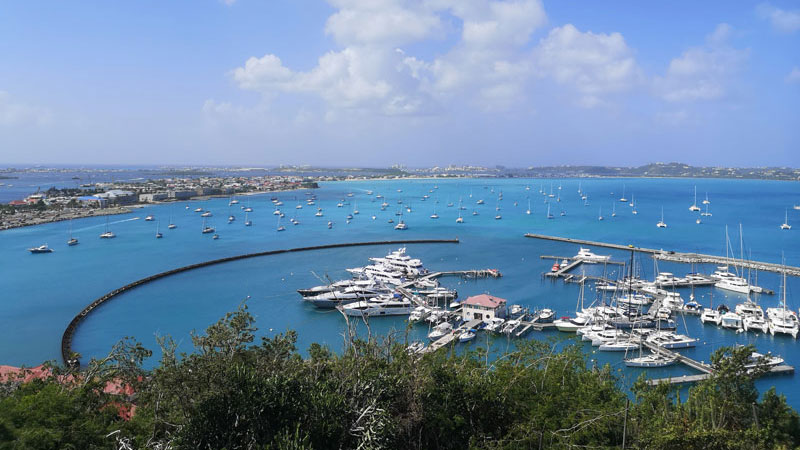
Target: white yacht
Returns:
[[731, 320], [381, 306], [107, 234], [41, 249], [783, 320], [401, 226], [785, 225], [440, 330], [694, 206], [661, 223], [651, 361], [585, 255], [619, 346], [711, 315], [671, 340]]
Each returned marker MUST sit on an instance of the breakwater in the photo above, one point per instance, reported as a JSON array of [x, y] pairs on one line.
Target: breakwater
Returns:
[[66, 339], [687, 258]]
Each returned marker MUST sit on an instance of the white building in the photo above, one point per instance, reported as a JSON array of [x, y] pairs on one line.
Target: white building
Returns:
[[484, 307]]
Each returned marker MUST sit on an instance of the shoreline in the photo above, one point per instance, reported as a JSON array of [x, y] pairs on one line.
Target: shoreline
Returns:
[[70, 214], [83, 213]]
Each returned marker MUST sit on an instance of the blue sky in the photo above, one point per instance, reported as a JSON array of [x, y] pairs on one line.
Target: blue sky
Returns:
[[378, 82]]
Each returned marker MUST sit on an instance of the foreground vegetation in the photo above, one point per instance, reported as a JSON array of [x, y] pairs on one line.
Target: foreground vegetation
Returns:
[[232, 393]]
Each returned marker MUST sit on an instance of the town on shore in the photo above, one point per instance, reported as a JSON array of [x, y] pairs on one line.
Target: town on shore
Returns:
[[179, 184]]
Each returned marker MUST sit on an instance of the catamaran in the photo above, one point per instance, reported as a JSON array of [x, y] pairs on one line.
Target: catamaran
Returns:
[[785, 225], [694, 206], [661, 223], [72, 240], [783, 320], [107, 234]]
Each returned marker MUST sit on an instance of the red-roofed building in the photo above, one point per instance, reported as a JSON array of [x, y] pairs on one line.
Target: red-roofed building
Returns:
[[484, 307]]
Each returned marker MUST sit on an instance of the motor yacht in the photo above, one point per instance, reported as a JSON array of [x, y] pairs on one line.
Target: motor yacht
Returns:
[[381, 306], [731, 320], [440, 331], [41, 249], [585, 255]]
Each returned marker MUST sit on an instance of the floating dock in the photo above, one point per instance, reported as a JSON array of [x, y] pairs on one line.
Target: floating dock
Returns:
[[687, 258]]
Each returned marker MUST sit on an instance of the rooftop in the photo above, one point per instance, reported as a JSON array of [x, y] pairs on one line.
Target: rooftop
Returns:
[[485, 300]]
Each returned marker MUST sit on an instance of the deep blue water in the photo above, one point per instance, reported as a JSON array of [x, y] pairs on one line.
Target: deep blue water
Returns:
[[41, 293]]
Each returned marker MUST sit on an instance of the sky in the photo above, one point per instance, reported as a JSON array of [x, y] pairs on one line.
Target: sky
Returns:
[[372, 83]]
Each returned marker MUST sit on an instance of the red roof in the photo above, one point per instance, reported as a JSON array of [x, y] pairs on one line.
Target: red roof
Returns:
[[485, 300]]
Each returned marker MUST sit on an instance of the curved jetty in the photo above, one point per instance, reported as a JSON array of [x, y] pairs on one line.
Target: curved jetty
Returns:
[[66, 338]]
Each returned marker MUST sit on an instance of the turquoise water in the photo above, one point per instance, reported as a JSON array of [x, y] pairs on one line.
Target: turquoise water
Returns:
[[41, 293]]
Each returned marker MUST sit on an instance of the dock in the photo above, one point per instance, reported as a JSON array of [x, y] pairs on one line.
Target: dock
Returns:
[[687, 258], [447, 339], [686, 379], [705, 369], [469, 274]]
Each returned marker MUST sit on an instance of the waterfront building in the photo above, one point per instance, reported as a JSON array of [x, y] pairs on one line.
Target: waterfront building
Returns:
[[484, 307]]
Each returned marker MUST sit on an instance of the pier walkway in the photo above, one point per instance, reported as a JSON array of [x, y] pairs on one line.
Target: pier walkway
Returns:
[[66, 339], [448, 338], [687, 258]]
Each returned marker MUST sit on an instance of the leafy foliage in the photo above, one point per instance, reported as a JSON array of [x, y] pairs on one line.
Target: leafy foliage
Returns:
[[233, 393]]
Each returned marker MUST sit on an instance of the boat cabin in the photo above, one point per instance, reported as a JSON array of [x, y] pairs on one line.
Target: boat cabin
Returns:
[[484, 307]]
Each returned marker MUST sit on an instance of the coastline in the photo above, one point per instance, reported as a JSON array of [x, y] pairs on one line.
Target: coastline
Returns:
[[68, 214]]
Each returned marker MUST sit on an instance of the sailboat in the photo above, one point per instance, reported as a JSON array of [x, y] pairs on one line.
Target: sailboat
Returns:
[[528, 212], [549, 216], [233, 201], [623, 199], [207, 229], [434, 215], [613, 210], [460, 219], [783, 320], [785, 225], [694, 206], [171, 225], [497, 208], [706, 201], [710, 314], [355, 208], [158, 233], [280, 227], [107, 234], [706, 213], [72, 240], [600, 214], [247, 222], [661, 223]]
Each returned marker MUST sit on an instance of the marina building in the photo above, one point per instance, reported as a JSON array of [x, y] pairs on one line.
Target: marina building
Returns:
[[484, 307]]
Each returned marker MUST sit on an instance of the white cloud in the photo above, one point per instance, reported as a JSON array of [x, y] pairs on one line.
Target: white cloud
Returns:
[[702, 73], [794, 76], [382, 22], [781, 20], [371, 74], [19, 114], [595, 64]]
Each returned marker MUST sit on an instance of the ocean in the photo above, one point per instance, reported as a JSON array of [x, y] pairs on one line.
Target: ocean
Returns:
[[41, 293]]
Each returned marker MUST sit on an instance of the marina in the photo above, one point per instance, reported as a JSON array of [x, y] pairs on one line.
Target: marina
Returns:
[[483, 242]]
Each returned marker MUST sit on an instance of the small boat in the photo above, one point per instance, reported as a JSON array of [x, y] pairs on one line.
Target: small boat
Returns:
[[498, 217], [41, 249], [555, 267], [543, 316], [206, 214], [107, 234], [694, 206], [149, 219], [72, 240], [440, 330], [652, 360], [198, 210], [330, 224], [207, 229], [215, 236], [785, 225], [158, 233], [401, 226], [231, 218], [467, 336], [661, 223]]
